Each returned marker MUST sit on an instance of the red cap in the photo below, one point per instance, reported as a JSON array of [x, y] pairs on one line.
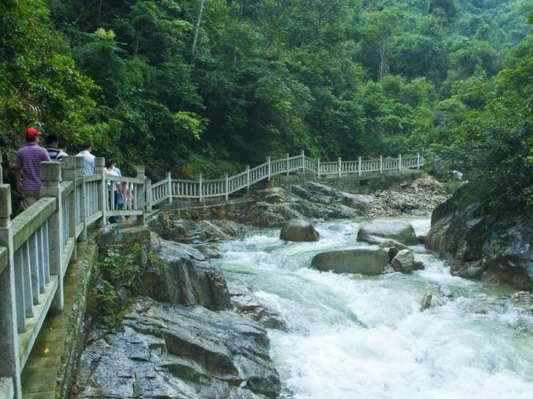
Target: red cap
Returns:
[[32, 132]]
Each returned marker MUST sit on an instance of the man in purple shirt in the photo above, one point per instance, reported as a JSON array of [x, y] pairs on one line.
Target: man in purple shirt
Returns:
[[29, 158]]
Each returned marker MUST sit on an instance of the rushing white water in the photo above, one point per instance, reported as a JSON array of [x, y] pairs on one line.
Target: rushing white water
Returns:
[[365, 338]]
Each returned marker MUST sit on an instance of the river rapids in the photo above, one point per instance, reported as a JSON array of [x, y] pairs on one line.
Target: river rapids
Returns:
[[366, 338]]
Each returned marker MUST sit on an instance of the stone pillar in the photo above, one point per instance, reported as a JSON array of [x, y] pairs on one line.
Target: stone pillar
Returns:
[[169, 187], [418, 161], [303, 160], [226, 189], [1, 170], [9, 344], [400, 163], [140, 194], [80, 177], [149, 199], [340, 166], [69, 174], [247, 177], [200, 187], [359, 167], [380, 164], [288, 163], [318, 167], [102, 191], [51, 178], [269, 166]]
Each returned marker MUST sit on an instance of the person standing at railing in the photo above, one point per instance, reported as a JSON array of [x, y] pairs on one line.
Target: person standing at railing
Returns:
[[88, 159], [28, 167], [114, 189], [54, 152]]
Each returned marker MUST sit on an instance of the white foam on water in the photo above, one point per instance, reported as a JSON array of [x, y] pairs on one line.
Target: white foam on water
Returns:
[[365, 338]]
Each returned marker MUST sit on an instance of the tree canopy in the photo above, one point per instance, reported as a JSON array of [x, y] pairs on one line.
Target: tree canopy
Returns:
[[196, 85]]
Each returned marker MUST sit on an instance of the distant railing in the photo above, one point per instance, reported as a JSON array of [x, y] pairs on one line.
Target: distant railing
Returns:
[[201, 189], [37, 246]]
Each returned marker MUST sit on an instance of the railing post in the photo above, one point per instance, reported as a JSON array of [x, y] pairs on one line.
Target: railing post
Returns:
[[69, 173], [169, 187], [318, 167], [149, 198], [340, 166], [9, 344], [418, 161], [269, 168], [381, 164], [226, 186], [51, 178], [303, 161], [80, 175], [1, 170], [247, 177], [102, 192], [288, 162], [141, 195], [200, 180], [400, 163], [359, 171]]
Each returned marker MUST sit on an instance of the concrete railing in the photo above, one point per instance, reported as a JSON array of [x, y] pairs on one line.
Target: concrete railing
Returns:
[[201, 189], [37, 246]]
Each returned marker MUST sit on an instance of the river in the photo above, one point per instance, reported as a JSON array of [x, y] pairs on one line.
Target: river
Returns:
[[365, 337]]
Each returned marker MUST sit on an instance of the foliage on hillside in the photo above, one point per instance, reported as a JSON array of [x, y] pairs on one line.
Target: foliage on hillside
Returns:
[[205, 84]]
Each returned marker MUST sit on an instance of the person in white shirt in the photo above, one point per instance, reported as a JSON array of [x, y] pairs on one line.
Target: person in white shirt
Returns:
[[114, 189], [88, 159]]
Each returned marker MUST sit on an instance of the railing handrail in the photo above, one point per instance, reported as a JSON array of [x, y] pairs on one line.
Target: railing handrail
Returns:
[[204, 188]]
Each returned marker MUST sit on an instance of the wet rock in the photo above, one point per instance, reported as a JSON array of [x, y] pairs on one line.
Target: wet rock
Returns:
[[246, 303], [425, 303], [182, 275], [209, 251], [194, 232], [169, 351], [366, 261], [418, 265], [404, 261], [299, 230], [377, 231], [481, 245], [361, 202], [392, 247]]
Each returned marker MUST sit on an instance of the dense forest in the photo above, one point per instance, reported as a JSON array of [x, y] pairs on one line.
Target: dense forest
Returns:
[[194, 85]]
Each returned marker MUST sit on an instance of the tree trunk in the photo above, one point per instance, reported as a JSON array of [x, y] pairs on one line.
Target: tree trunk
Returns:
[[382, 62], [197, 29]]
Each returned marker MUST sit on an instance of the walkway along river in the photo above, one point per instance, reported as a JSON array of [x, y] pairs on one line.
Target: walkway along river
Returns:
[[366, 338]]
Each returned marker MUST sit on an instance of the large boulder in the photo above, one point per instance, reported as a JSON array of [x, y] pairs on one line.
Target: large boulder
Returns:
[[404, 261], [169, 351], [480, 245], [180, 274], [377, 231], [195, 232], [366, 261], [299, 230]]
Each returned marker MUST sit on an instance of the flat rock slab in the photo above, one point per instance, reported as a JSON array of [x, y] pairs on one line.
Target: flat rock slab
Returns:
[[377, 231], [366, 261], [168, 351]]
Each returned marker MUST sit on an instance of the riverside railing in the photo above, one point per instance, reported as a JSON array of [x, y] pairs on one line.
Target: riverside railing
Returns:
[[37, 246], [201, 189]]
